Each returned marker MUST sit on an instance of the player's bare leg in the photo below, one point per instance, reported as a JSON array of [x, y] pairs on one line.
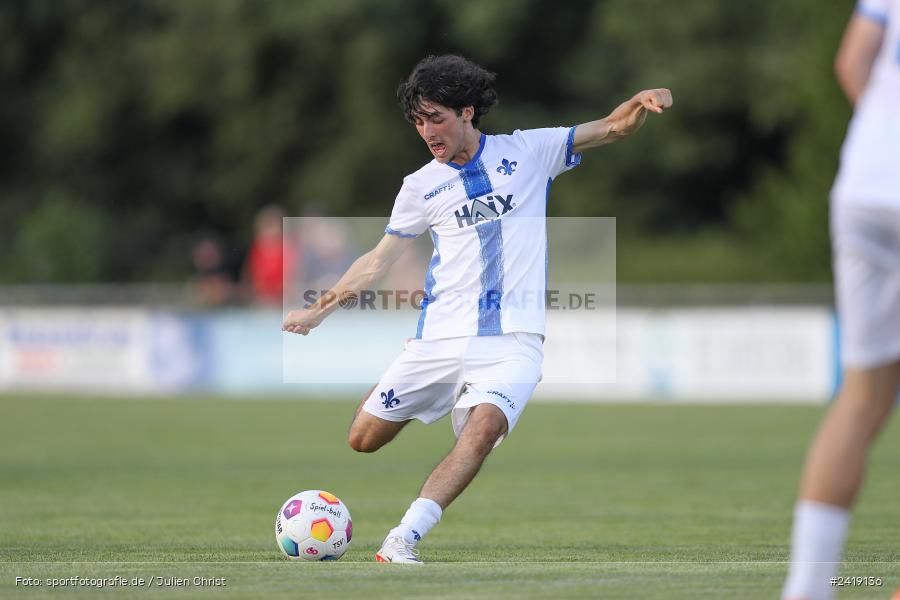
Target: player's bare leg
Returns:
[[837, 456], [368, 433], [833, 475], [485, 425]]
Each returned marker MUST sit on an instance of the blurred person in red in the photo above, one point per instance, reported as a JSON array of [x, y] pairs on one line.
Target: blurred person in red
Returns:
[[271, 262]]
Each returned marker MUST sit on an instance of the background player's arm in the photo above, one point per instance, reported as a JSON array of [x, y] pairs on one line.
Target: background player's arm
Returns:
[[362, 274], [859, 48], [623, 121]]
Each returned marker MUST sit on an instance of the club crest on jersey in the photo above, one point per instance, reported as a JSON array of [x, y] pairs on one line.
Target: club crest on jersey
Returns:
[[484, 210], [388, 399], [506, 167]]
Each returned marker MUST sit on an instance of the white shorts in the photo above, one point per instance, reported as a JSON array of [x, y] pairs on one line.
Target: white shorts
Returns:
[[431, 378], [866, 255]]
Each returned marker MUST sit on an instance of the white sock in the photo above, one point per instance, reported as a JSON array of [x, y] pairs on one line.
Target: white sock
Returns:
[[423, 514], [817, 544]]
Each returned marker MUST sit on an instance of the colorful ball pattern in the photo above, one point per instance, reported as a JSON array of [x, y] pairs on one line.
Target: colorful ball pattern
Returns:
[[313, 525]]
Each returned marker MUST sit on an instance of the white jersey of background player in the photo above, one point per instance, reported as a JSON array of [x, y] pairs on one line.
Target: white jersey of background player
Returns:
[[869, 174], [478, 350], [865, 228]]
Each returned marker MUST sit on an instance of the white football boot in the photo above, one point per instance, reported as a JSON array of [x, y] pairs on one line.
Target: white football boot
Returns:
[[397, 550]]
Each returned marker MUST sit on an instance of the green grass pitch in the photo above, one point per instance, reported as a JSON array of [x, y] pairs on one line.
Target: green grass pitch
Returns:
[[583, 501]]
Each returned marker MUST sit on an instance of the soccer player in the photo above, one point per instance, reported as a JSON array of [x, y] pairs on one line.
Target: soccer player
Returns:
[[477, 351], [865, 230]]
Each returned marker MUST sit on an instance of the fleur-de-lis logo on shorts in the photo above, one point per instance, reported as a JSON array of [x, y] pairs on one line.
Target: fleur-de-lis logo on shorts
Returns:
[[506, 167], [388, 399]]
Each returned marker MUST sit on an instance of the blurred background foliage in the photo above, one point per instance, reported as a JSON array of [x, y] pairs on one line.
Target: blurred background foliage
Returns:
[[129, 127]]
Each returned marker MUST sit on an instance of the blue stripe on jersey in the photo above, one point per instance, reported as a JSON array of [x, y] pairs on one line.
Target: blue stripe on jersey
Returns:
[[475, 177], [872, 14], [399, 233], [572, 160], [429, 284], [547, 247], [490, 234]]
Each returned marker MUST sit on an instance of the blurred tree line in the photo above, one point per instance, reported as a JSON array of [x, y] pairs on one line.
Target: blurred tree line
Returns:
[[131, 126]]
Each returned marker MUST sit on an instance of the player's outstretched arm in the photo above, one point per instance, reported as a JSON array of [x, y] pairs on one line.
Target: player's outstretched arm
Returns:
[[623, 121], [362, 274]]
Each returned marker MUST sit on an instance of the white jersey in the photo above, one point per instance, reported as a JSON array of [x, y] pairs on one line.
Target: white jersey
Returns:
[[488, 273], [869, 174]]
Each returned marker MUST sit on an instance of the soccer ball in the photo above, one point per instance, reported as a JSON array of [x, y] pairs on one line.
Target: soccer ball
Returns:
[[313, 525]]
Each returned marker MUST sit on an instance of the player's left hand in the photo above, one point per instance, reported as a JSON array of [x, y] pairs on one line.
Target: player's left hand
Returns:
[[655, 100]]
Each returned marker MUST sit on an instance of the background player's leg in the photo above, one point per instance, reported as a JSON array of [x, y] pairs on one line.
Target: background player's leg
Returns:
[[367, 432], [833, 475], [837, 455]]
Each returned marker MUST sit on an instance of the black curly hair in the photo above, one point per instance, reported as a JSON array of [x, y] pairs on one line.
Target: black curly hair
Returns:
[[448, 80]]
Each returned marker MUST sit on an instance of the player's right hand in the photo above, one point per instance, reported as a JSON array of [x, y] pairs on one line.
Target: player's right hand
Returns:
[[300, 321]]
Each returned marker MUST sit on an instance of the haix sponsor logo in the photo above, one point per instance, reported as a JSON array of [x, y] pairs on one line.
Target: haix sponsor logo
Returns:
[[438, 190], [315, 507], [484, 210]]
